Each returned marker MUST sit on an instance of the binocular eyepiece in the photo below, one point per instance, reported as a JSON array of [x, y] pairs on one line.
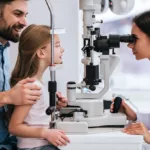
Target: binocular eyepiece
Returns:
[[128, 38], [103, 44]]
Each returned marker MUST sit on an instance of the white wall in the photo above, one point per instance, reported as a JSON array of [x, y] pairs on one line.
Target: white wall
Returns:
[[139, 6], [66, 16]]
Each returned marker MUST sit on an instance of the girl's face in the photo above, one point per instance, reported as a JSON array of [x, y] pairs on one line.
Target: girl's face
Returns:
[[58, 52], [141, 47]]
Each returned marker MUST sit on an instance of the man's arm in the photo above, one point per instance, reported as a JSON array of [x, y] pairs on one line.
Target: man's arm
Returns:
[[24, 92], [4, 99]]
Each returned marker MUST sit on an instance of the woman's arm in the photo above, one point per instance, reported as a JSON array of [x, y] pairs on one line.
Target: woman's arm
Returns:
[[138, 129], [17, 126], [145, 118], [125, 108]]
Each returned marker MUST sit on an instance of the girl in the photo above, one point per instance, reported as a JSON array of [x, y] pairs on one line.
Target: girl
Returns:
[[29, 122]]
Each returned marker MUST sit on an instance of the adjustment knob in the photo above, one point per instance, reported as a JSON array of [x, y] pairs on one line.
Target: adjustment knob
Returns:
[[117, 104], [92, 87]]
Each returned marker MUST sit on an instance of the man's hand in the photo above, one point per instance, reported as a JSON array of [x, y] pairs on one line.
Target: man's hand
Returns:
[[24, 92], [138, 129], [62, 101]]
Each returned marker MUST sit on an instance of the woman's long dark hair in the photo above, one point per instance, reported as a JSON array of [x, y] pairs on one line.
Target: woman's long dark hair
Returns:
[[143, 22]]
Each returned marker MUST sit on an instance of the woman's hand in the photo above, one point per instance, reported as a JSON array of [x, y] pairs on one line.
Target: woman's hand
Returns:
[[56, 137], [138, 129], [124, 108]]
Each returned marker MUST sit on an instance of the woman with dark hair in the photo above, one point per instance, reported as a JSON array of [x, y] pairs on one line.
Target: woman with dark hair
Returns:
[[141, 30], [141, 50]]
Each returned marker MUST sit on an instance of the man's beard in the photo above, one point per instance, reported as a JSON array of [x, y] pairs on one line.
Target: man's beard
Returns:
[[6, 32]]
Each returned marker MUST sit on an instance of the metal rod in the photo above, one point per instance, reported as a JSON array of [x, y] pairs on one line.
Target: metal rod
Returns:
[[52, 83], [52, 36]]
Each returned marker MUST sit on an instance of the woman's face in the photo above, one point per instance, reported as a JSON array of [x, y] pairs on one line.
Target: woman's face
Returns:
[[141, 47]]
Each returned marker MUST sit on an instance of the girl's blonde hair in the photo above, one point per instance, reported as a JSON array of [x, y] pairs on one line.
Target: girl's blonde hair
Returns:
[[32, 38]]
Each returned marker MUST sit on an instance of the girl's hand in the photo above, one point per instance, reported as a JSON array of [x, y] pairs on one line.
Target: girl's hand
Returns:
[[56, 137], [138, 129], [62, 101]]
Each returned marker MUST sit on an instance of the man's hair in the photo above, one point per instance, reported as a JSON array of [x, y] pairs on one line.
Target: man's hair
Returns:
[[5, 2]]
